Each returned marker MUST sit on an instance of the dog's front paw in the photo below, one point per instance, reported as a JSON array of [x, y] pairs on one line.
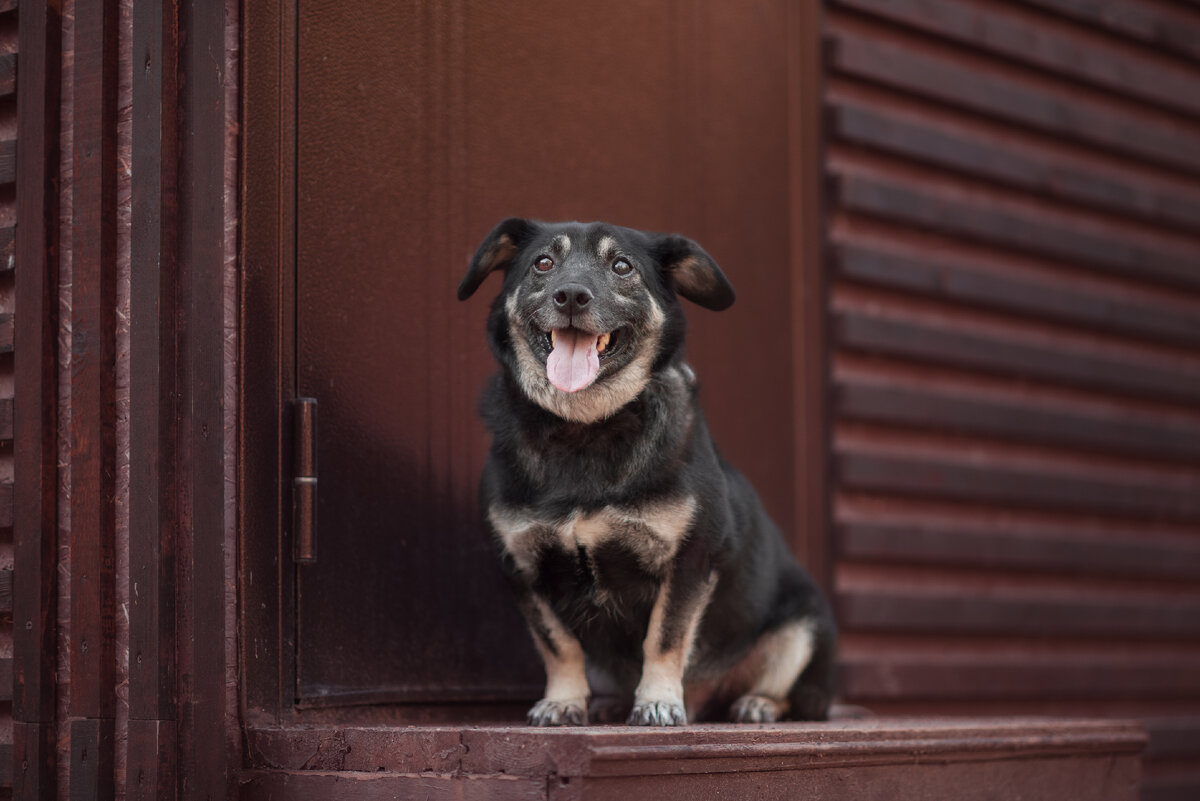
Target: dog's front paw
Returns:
[[657, 713], [572, 712], [754, 709]]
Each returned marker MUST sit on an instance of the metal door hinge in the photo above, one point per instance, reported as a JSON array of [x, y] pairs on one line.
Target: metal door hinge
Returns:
[[304, 480]]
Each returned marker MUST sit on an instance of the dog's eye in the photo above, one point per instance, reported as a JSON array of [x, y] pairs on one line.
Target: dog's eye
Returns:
[[622, 267], [543, 264]]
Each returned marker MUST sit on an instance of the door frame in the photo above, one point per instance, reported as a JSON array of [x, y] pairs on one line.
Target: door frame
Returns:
[[267, 351]]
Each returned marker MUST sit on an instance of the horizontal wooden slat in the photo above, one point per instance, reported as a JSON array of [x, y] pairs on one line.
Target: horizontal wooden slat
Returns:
[[1014, 95], [1158, 25], [8, 74], [980, 350], [985, 677], [1011, 223], [6, 418], [970, 479], [6, 333], [1022, 293], [1173, 737], [996, 416], [1068, 50], [8, 161], [897, 610], [929, 543], [977, 149], [7, 258]]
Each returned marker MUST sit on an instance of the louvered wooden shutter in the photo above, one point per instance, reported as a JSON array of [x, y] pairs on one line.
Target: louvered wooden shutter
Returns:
[[1015, 311]]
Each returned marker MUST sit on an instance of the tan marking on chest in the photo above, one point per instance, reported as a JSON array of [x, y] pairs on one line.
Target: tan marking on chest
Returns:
[[653, 531]]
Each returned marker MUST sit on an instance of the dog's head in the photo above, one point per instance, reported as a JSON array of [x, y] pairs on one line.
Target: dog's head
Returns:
[[588, 312]]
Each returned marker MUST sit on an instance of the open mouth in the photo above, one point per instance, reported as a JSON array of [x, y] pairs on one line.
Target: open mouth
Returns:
[[574, 356]]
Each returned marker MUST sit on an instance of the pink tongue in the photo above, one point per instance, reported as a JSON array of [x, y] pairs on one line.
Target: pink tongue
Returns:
[[574, 362]]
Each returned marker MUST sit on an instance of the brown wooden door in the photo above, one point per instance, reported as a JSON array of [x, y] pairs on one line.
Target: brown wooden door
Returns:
[[419, 126]]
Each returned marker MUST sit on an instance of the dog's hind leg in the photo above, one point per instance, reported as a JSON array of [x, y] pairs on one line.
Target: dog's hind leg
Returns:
[[565, 701], [782, 659]]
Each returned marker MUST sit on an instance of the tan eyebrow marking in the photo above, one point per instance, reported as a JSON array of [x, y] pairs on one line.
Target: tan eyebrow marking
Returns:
[[607, 248], [562, 245]]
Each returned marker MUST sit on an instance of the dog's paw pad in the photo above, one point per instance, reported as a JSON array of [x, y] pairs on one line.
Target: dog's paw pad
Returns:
[[755, 709], [658, 713], [558, 713]]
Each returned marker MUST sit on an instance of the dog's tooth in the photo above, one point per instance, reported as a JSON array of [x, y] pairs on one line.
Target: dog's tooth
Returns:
[[553, 338], [601, 343]]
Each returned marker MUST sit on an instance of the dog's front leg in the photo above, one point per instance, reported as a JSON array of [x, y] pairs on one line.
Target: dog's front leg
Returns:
[[674, 620], [565, 701]]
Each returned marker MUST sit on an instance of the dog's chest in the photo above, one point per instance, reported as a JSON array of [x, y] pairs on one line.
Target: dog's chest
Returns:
[[651, 533]]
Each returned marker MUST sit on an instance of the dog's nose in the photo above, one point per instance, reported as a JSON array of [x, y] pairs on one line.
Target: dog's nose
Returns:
[[571, 297]]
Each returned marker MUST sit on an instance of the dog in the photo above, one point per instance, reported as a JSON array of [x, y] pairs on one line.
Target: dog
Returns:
[[654, 584]]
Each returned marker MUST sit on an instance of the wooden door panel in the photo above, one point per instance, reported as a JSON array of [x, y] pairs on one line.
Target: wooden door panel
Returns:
[[418, 128]]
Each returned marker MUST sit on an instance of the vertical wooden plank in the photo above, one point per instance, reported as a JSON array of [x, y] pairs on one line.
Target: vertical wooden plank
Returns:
[[152, 362], [204, 768], [150, 771], [93, 350], [91, 777], [34, 760], [267, 110], [812, 539], [35, 517]]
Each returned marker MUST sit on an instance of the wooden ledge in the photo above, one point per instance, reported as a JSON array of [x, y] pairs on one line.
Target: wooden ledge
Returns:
[[1032, 758]]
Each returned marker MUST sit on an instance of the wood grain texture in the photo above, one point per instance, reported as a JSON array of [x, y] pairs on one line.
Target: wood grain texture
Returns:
[[8, 161], [994, 415], [6, 596], [1072, 363], [1010, 32], [935, 135], [1016, 195], [34, 761], [967, 80], [981, 678], [1004, 221], [265, 379], [8, 74], [152, 367], [150, 770], [1160, 26], [205, 770], [962, 278], [93, 360], [7, 249], [91, 755], [6, 419], [34, 519]]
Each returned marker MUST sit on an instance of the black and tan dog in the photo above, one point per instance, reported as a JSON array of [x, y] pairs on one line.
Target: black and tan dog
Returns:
[[645, 566]]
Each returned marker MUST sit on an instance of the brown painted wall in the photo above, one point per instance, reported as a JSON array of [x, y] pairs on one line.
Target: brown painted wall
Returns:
[[1014, 209]]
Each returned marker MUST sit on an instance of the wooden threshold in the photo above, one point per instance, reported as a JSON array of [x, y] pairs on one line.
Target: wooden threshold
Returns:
[[960, 758]]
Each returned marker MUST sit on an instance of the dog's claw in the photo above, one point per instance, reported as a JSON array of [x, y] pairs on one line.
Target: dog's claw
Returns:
[[558, 713], [754, 709], [658, 713]]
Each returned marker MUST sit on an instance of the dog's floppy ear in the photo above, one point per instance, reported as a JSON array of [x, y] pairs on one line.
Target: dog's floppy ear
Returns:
[[496, 252], [693, 272]]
